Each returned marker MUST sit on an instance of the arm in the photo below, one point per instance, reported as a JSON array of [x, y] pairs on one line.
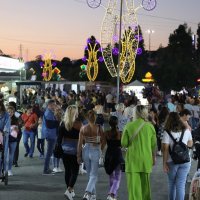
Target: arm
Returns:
[[165, 157], [79, 147], [103, 139]]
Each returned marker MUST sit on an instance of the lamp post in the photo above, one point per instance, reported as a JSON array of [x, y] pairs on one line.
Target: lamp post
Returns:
[[149, 31], [118, 67]]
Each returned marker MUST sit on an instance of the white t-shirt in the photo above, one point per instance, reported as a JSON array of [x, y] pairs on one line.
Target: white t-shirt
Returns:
[[167, 139]]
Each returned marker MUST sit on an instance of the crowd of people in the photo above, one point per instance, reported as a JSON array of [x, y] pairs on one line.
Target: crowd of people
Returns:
[[86, 125]]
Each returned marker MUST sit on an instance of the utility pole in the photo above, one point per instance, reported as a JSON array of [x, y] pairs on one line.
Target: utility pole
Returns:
[[120, 47]]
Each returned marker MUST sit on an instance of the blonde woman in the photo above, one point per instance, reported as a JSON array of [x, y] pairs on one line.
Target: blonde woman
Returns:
[[68, 135], [139, 137], [93, 139]]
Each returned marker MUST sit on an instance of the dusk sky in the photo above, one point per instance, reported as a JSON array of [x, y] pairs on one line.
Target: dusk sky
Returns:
[[63, 26]]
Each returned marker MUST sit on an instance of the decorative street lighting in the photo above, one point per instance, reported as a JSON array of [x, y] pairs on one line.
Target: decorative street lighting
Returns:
[[149, 31]]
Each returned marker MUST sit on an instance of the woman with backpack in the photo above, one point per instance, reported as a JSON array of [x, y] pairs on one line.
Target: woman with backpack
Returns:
[[176, 138]]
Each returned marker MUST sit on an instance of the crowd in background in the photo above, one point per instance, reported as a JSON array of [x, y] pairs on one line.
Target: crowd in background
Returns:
[[85, 123]]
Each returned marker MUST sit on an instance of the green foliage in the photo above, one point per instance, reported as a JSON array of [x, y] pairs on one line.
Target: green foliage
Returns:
[[176, 62]]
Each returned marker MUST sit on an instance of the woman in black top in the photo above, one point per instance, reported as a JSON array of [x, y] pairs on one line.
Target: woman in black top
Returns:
[[113, 157], [68, 135]]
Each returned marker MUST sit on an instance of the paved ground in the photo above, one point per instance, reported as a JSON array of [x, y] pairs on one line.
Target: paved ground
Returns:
[[29, 184]]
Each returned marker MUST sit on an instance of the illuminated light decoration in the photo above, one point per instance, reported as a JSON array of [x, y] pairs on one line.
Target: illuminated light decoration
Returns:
[[198, 80], [148, 78], [93, 47], [140, 38], [128, 41], [92, 62], [83, 67], [56, 70], [100, 59], [94, 3], [139, 51], [47, 68], [149, 4], [84, 59], [115, 51]]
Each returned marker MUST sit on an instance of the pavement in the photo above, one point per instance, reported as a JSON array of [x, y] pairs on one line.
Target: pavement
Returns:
[[28, 183]]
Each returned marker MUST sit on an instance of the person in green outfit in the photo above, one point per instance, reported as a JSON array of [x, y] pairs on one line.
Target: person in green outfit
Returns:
[[139, 137]]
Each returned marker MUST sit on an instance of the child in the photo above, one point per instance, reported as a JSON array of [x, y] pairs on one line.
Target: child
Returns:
[[40, 140]]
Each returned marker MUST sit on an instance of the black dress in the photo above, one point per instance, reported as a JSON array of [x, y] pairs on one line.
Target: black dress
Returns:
[[113, 156]]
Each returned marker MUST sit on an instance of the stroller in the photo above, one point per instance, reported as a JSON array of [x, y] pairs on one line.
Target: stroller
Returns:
[[3, 157]]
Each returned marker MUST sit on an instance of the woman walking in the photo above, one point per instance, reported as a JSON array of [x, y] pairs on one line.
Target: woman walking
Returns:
[[113, 158], [139, 137], [92, 137], [68, 135], [177, 173]]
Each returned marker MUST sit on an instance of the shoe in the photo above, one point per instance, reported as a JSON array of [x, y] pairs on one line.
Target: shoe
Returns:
[[159, 153], [68, 194], [41, 156], [82, 171], [59, 170], [16, 165], [10, 173], [30, 156], [55, 169], [73, 193], [109, 197], [48, 172], [87, 196], [26, 154]]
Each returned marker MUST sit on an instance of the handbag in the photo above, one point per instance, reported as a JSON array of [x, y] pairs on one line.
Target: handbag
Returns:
[[58, 151], [122, 164]]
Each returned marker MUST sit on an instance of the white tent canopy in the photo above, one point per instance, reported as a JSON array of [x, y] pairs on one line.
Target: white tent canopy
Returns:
[[135, 83]]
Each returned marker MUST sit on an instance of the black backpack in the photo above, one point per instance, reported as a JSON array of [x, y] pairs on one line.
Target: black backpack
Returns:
[[179, 152]]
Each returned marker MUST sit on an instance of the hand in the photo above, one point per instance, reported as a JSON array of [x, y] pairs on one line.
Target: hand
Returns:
[[79, 160], [165, 168]]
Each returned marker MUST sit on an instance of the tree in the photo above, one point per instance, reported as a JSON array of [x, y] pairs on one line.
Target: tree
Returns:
[[176, 67]]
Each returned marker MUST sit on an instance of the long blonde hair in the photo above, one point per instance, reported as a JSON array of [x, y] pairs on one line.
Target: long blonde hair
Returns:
[[140, 111], [70, 116]]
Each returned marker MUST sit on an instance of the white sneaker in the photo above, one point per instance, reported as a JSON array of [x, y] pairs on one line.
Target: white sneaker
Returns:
[[87, 196], [55, 169], [109, 197], [10, 173], [159, 153], [69, 194], [73, 193], [59, 170]]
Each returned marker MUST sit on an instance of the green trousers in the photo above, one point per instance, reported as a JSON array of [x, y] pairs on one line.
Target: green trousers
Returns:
[[138, 186]]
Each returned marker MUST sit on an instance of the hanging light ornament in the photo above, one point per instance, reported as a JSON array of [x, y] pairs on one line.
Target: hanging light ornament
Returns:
[[92, 49], [47, 68], [129, 42]]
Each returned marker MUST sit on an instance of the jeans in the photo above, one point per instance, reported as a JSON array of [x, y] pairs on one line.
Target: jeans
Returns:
[[50, 147], [40, 146], [115, 179], [12, 147], [16, 155], [4, 161], [177, 176], [71, 169], [26, 136], [91, 155], [56, 162]]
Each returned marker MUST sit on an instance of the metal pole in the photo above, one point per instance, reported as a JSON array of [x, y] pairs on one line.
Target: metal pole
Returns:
[[149, 40], [118, 67]]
